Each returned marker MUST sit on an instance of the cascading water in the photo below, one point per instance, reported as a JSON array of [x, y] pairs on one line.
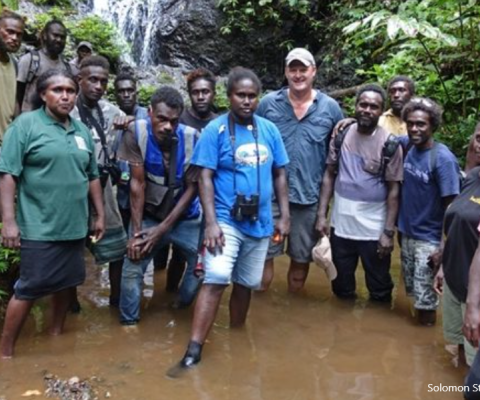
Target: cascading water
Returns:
[[140, 23]]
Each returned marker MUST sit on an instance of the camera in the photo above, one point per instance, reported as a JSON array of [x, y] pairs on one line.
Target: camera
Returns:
[[109, 169], [245, 209]]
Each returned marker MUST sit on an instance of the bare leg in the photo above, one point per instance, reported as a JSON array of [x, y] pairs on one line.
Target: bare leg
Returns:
[[115, 278], [75, 306], [60, 304], [17, 312], [297, 275], [239, 305], [205, 312], [204, 315], [175, 271], [267, 275]]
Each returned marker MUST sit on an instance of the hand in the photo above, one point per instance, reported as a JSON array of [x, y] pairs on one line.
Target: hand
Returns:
[[435, 259], [98, 229], [122, 122], [213, 238], [10, 235], [322, 227], [342, 124], [385, 246], [471, 324], [146, 240], [438, 282], [282, 229]]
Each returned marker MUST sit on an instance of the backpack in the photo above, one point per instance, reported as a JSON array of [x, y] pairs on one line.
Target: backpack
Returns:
[[35, 65], [15, 63], [389, 149]]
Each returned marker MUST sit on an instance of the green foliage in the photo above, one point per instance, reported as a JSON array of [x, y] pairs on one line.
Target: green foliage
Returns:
[[144, 94], [10, 4], [221, 100], [243, 16], [35, 26], [101, 34], [429, 41], [164, 78], [9, 258]]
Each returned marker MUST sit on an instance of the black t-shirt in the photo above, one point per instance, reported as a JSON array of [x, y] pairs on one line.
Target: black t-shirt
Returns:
[[461, 221], [188, 119]]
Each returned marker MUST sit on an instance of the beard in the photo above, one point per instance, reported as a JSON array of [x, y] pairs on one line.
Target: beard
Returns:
[[54, 49], [367, 122]]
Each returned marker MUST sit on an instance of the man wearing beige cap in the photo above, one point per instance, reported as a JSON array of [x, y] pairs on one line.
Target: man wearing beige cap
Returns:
[[305, 117], [84, 49]]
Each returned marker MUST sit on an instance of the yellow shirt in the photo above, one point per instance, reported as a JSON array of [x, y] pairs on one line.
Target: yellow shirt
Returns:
[[8, 90], [392, 124]]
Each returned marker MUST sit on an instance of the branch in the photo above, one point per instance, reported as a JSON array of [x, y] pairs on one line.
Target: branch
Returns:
[[336, 94]]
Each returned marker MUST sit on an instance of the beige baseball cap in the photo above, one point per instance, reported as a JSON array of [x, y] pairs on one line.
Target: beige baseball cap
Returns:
[[322, 255], [302, 55], [86, 44]]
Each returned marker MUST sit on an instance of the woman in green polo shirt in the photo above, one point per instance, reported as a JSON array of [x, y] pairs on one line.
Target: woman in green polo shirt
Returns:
[[48, 162]]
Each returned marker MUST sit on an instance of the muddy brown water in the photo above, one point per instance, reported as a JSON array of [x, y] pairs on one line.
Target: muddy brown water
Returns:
[[305, 346]]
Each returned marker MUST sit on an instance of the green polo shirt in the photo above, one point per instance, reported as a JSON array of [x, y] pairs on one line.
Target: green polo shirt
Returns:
[[53, 167]]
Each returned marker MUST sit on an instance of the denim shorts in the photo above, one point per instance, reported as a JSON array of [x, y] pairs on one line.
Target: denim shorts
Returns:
[[241, 261]]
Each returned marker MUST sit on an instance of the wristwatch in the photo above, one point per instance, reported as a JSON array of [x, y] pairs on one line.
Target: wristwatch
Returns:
[[389, 233]]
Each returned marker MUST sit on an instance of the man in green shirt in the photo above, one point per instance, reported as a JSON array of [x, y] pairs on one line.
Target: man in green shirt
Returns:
[[11, 33]]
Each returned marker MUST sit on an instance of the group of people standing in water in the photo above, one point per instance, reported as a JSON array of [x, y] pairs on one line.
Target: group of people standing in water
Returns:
[[230, 192]]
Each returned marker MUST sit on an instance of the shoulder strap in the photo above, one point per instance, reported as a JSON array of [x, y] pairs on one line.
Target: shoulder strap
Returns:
[[433, 157], [172, 170], [68, 67], [34, 65], [389, 149], [338, 143], [432, 161], [13, 60]]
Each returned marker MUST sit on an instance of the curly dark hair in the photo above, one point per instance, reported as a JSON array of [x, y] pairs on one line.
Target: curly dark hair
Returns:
[[426, 105], [372, 87], [124, 76], [49, 24], [201, 73], [402, 78], [169, 96]]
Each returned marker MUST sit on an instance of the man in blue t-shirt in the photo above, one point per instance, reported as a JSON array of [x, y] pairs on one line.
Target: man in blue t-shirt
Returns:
[[164, 203], [431, 181], [242, 159]]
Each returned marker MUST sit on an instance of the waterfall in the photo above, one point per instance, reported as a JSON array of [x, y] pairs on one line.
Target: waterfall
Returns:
[[141, 22]]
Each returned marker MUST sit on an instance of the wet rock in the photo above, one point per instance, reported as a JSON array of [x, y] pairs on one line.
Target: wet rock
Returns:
[[69, 389]]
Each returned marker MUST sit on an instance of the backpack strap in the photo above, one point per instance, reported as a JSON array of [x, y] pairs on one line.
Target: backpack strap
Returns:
[[389, 149], [68, 67], [338, 143], [34, 65], [433, 158], [13, 60]]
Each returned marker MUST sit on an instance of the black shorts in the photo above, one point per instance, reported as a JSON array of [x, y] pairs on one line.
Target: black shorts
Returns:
[[49, 267]]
